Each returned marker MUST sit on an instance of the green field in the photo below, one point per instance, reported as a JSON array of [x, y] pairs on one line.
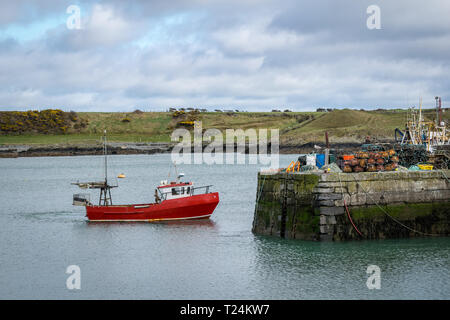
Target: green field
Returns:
[[295, 127]]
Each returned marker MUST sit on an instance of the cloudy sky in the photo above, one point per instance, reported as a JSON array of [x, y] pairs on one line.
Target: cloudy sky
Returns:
[[246, 54]]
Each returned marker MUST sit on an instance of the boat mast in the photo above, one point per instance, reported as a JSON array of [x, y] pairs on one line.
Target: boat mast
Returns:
[[106, 158], [105, 190], [420, 114]]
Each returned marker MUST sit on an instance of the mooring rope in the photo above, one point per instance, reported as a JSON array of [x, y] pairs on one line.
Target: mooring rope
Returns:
[[445, 176], [385, 212], [351, 220], [259, 194], [346, 208], [260, 189]]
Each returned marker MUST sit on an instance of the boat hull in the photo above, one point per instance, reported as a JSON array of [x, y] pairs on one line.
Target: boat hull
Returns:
[[194, 207]]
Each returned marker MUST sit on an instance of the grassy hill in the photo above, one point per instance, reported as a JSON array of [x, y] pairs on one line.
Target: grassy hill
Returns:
[[348, 126], [295, 127]]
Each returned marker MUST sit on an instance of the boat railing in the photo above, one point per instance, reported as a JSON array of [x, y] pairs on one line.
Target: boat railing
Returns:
[[202, 187], [192, 191]]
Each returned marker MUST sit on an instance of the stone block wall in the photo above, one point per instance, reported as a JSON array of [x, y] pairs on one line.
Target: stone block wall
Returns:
[[381, 205]]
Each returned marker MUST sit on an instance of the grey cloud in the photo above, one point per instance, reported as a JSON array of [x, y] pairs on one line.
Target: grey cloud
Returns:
[[298, 54], [26, 11]]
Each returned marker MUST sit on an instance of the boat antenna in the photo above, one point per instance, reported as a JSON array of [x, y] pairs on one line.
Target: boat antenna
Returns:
[[176, 169], [174, 164], [105, 152]]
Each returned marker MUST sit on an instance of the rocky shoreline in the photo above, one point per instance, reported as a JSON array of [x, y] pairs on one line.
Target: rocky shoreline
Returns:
[[15, 151]]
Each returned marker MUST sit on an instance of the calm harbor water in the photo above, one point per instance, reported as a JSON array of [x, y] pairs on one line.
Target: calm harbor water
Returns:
[[41, 234]]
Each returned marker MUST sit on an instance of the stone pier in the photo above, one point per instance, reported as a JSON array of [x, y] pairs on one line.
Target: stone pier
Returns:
[[322, 206]]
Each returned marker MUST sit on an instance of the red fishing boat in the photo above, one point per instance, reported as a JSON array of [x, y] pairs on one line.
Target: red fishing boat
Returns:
[[174, 200]]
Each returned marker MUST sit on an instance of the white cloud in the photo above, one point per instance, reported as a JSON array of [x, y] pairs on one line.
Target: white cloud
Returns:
[[255, 38], [106, 27]]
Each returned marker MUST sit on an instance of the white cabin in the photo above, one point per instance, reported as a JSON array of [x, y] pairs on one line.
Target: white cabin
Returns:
[[175, 190]]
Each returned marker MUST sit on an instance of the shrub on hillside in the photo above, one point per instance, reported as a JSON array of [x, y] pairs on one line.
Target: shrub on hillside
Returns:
[[46, 121]]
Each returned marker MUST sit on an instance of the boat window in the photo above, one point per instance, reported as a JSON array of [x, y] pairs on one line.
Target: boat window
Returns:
[[188, 191], [174, 191], [182, 190]]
